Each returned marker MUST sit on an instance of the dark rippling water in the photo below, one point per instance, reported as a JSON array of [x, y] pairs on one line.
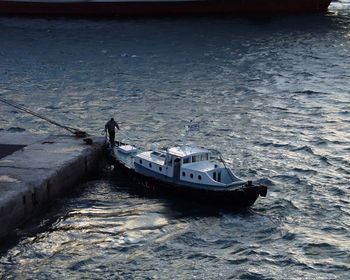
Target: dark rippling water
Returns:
[[273, 94]]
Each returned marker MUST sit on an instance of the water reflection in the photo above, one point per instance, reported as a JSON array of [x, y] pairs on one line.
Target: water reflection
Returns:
[[272, 97]]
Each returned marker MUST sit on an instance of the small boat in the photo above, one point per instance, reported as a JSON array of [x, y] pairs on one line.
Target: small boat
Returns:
[[187, 171]]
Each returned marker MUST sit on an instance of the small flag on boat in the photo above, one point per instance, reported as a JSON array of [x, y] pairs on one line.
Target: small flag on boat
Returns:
[[192, 127]]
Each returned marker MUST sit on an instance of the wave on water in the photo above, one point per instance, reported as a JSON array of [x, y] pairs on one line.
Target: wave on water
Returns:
[[272, 97], [15, 129], [311, 92]]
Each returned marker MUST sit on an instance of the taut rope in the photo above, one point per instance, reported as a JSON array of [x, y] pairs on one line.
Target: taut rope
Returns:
[[75, 131]]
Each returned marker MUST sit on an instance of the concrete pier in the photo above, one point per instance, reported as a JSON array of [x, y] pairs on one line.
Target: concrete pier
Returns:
[[35, 169]]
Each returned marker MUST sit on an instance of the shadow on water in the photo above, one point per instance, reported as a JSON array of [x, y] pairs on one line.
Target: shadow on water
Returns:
[[174, 208], [41, 222], [177, 205], [45, 220]]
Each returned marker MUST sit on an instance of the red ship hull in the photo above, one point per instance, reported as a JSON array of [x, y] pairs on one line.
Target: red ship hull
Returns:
[[126, 8]]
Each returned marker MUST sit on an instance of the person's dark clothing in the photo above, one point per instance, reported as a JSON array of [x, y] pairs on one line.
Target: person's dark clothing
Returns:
[[110, 126]]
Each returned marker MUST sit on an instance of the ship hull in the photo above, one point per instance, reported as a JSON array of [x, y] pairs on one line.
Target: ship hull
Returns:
[[224, 199], [166, 7]]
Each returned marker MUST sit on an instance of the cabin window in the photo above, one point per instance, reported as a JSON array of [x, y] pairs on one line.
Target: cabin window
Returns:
[[183, 174], [140, 161], [199, 177], [158, 154], [150, 165], [196, 158], [214, 176], [186, 160], [204, 157], [160, 168], [219, 177], [191, 175]]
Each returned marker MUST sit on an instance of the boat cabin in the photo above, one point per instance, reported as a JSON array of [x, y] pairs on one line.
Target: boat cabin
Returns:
[[188, 164]]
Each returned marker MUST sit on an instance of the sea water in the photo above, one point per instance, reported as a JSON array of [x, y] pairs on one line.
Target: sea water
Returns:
[[271, 93]]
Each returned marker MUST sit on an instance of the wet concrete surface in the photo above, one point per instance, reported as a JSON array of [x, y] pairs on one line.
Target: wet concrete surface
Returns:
[[32, 175]]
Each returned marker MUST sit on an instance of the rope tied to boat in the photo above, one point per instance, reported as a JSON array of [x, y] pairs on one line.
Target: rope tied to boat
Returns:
[[77, 132]]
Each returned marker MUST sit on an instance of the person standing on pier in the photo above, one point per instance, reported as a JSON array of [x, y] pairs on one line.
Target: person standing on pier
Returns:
[[110, 127]]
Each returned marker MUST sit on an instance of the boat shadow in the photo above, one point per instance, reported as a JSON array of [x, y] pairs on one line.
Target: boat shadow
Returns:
[[176, 204]]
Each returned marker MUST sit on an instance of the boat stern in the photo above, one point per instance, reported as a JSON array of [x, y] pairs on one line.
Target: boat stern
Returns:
[[261, 190], [258, 189]]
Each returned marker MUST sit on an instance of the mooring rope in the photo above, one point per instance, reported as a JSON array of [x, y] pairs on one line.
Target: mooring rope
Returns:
[[75, 131]]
